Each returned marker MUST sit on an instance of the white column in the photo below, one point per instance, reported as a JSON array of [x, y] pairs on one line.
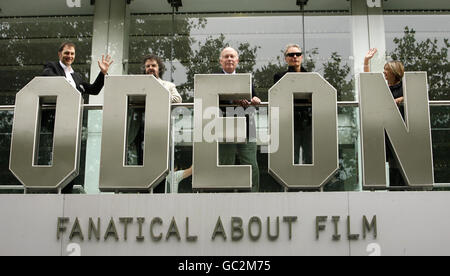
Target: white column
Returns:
[[368, 32], [110, 36], [377, 37]]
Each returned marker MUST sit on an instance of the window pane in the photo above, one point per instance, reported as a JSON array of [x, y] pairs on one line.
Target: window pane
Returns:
[[440, 132], [420, 41], [191, 44], [6, 122]]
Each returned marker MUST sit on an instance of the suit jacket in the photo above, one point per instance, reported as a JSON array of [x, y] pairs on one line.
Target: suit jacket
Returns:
[[301, 113], [231, 102], [278, 76], [54, 69]]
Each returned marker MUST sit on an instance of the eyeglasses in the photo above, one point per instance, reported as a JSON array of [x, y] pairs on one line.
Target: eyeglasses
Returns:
[[294, 54]]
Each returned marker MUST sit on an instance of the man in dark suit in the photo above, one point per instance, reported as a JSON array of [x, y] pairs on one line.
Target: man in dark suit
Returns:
[[303, 113], [294, 57], [63, 68]]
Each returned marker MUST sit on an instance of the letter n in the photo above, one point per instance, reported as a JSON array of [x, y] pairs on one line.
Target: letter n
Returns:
[[410, 139]]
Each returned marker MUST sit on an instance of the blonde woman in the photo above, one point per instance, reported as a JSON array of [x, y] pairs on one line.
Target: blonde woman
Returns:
[[393, 73]]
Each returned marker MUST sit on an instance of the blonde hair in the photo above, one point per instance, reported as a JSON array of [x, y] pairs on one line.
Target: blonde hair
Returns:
[[397, 69], [291, 46]]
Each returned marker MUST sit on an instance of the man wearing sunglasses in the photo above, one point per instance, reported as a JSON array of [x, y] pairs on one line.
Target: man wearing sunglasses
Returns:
[[302, 108], [294, 57]]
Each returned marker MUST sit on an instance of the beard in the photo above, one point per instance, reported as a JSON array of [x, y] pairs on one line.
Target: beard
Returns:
[[151, 72]]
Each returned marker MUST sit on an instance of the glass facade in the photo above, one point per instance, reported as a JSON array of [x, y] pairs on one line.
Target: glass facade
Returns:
[[45, 148], [190, 43], [30, 42], [6, 121], [440, 131], [421, 41]]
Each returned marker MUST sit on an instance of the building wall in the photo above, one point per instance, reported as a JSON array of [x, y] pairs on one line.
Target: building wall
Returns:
[[286, 224]]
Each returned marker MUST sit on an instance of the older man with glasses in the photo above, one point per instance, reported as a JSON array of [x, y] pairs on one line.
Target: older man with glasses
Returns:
[[247, 152], [302, 108]]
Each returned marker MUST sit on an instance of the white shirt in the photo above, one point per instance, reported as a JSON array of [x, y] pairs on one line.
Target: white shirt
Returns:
[[234, 73], [174, 95], [173, 185], [69, 72]]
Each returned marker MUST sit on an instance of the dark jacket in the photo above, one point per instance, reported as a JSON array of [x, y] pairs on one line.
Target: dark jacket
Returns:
[[54, 69], [251, 125], [397, 90], [278, 76]]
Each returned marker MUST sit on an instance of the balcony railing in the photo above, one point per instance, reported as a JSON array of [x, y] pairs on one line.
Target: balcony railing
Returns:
[[346, 179]]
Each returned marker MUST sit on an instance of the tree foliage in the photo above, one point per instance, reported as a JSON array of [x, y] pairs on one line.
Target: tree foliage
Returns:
[[425, 56], [337, 75], [205, 60]]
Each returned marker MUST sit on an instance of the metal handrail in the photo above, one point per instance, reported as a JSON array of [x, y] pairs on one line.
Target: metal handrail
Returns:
[[22, 188], [263, 104]]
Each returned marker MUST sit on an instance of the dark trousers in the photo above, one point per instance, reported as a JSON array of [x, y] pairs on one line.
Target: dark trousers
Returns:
[[247, 156], [303, 134]]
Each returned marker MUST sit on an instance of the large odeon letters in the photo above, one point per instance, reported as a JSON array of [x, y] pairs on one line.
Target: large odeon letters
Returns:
[[324, 131], [208, 174], [66, 137], [115, 175], [381, 125], [410, 138]]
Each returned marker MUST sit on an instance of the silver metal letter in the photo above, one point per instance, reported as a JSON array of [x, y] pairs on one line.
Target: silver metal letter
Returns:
[[411, 141], [114, 174], [324, 131], [66, 141], [208, 174]]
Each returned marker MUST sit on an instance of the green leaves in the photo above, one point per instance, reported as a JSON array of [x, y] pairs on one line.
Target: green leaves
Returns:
[[427, 55]]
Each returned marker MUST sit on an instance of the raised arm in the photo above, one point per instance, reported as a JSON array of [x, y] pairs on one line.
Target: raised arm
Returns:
[[367, 59], [105, 63], [96, 87]]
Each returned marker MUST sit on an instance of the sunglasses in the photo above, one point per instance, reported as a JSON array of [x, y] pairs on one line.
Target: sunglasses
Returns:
[[294, 54]]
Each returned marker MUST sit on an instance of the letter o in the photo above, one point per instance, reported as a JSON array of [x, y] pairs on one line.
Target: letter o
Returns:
[[250, 223]]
